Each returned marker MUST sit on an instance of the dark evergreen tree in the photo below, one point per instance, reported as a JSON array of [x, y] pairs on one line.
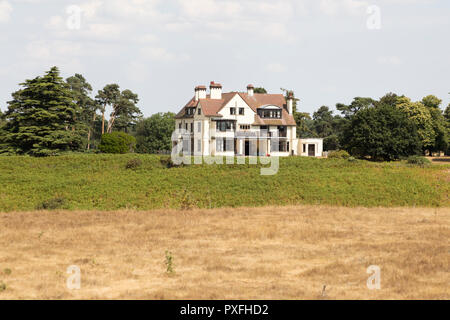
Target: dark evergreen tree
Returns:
[[41, 118]]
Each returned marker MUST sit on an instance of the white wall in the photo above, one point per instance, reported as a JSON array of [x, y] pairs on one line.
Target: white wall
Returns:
[[318, 146]]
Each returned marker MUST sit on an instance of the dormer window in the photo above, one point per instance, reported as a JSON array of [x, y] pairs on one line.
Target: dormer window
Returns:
[[269, 111], [232, 111], [199, 111], [190, 111]]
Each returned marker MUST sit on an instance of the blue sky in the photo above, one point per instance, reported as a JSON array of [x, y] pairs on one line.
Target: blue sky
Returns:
[[327, 51]]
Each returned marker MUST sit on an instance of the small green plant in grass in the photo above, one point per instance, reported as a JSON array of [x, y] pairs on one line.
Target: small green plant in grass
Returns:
[[186, 201], [341, 154], [2, 286], [352, 159], [52, 204], [133, 164], [418, 161], [7, 271], [169, 263]]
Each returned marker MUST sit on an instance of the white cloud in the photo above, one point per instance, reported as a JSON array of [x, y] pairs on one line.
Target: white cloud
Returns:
[[276, 67], [5, 11], [163, 55]]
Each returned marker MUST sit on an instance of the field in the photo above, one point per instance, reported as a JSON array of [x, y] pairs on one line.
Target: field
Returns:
[[101, 182], [246, 253]]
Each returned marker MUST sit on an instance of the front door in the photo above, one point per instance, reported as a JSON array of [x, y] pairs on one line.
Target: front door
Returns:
[[247, 148], [311, 150]]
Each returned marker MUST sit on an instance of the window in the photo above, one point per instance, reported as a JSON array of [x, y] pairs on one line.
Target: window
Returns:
[[271, 113], [199, 145], [304, 148], [199, 112], [245, 127], [241, 111], [199, 127], [224, 144], [232, 111], [186, 126], [192, 127], [179, 126], [224, 125]]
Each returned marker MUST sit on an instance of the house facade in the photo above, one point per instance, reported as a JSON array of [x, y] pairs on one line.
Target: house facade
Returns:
[[237, 124]]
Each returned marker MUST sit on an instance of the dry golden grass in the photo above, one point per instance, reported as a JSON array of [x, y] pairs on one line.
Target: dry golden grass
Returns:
[[248, 253]]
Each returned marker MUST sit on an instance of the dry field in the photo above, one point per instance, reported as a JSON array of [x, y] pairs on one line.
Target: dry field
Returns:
[[258, 253]]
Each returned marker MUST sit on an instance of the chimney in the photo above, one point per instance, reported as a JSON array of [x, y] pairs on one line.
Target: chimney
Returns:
[[250, 90], [200, 93], [290, 102], [215, 90]]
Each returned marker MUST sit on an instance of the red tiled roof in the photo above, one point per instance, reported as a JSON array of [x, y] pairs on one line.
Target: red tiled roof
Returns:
[[211, 107]]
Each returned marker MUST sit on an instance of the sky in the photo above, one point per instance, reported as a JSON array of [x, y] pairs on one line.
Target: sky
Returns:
[[327, 51]]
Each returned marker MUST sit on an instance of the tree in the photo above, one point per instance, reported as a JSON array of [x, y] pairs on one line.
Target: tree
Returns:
[[87, 107], [421, 117], [123, 104], [41, 117], [437, 117], [117, 142], [154, 134], [108, 96], [357, 104], [382, 133], [259, 90]]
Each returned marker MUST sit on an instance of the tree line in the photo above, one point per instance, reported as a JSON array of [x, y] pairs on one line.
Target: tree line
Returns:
[[389, 128], [49, 115]]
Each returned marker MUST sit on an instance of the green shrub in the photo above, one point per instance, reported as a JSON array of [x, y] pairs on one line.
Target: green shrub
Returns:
[[418, 161], [133, 164], [51, 204], [167, 162], [117, 142], [341, 154]]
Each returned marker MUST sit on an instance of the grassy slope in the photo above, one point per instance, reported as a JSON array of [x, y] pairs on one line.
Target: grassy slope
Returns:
[[102, 182]]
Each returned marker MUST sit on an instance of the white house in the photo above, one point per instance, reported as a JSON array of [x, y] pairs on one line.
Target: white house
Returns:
[[240, 124]]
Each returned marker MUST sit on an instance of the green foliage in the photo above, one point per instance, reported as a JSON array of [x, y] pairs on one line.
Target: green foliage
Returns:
[[2, 286], [382, 133], [51, 204], [154, 134], [418, 160], [133, 164], [101, 182], [117, 142], [41, 118], [260, 90], [341, 154], [421, 117]]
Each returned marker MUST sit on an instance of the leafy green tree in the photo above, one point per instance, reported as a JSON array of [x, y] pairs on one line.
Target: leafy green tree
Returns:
[[41, 118], [421, 116], [433, 104], [109, 96], [259, 90], [87, 107], [357, 104], [124, 109], [154, 133], [117, 142], [382, 133]]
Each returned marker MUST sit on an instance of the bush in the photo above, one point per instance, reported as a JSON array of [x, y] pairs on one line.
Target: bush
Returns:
[[341, 154], [418, 161], [117, 142], [133, 164], [51, 204], [168, 163]]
